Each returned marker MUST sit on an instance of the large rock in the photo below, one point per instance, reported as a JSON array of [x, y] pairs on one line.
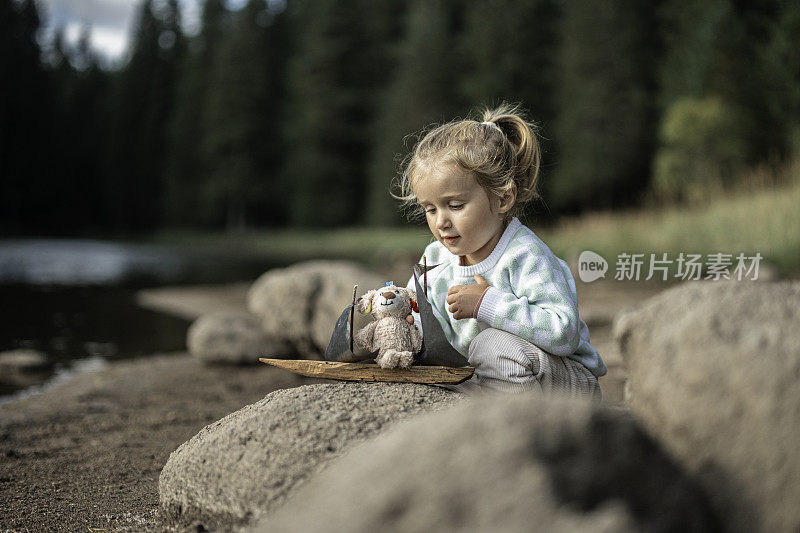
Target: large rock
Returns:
[[246, 463], [232, 338], [513, 463], [301, 303], [23, 367], [23, 361], [714, 374]]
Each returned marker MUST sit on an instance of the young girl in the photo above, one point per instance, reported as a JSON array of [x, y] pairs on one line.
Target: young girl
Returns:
[[503, 299]]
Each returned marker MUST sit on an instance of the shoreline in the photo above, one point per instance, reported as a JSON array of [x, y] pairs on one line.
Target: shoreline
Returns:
[[86, 453]]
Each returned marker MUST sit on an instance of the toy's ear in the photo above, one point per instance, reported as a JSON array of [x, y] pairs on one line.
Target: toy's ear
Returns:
[[364, 304]]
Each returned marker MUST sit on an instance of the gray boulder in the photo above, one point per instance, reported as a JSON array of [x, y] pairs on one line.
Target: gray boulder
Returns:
[[713, 375], [23, 361], [301, 303], [232, 338], [513, 463], [23, 367], [246, 463]]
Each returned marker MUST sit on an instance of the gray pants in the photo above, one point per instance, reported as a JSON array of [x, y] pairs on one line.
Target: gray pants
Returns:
[[506, 363]]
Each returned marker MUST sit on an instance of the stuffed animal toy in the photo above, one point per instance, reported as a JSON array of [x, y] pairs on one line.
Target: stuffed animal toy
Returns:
[[393, 332]]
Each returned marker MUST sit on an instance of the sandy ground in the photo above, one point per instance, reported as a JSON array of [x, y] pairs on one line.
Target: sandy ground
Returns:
[[192, 302], [86, 456]]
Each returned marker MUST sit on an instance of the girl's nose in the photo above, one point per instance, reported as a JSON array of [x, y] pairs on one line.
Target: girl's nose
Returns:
[[442, 220]]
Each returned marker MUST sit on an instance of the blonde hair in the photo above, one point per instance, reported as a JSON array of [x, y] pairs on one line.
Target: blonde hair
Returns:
[[501, 150]]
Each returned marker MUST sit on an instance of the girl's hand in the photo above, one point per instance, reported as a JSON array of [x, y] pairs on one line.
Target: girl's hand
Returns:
[[463, 299]]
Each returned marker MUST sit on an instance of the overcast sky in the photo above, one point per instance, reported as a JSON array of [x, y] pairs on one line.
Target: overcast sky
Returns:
[[110, 20]]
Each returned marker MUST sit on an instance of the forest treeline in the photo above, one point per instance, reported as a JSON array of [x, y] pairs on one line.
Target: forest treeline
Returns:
[[298, 113]]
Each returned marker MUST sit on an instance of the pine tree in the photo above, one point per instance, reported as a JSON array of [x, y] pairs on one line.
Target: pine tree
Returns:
[[510, 49], [331, 88], [605, 122], [186, 167], [268, 146], [781, 81], [241, 112], [737, 53], [81, 147], [28, 172], [423, 91], [692, 32], [144, 100]]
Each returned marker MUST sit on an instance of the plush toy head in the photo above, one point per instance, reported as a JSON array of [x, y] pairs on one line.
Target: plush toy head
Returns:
[[388, 301]]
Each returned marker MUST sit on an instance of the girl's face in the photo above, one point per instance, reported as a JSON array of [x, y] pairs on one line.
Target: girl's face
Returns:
[[460, 213]]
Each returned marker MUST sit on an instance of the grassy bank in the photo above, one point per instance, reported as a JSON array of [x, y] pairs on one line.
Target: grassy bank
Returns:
[[764, 219]]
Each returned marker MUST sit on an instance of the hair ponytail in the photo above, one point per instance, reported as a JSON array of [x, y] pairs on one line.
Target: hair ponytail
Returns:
[[521, 134], [501, 150]]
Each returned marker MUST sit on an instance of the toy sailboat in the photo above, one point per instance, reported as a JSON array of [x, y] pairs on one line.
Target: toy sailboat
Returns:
[[435, 351], [436, 362]]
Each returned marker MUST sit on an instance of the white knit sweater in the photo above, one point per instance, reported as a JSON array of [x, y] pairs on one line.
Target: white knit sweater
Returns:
[[532, 295]]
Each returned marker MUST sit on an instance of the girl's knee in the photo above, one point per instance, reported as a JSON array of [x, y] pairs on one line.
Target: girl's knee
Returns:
[[493, 346], [512, 363], [497, 356]]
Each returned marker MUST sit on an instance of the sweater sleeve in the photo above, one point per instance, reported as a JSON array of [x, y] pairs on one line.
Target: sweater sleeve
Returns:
[[539, 305]]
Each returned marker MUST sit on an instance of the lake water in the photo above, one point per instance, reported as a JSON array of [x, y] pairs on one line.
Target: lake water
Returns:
[[74, 299]]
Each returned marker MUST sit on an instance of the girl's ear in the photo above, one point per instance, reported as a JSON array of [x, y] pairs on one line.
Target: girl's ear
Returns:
[[364, 304], [507, 201]]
